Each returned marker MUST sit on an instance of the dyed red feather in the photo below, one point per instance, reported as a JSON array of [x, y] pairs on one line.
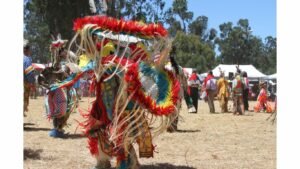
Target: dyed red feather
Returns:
[[135, 86], [93, 145], [121, 26]]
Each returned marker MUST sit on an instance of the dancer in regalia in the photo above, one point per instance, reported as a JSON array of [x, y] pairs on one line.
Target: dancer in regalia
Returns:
[[133, 92], [62, 102], [223, 93]]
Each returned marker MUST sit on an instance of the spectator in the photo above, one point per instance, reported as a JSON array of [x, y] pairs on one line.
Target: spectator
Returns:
[[194, 84], [245, 90], [29, 79], [210, 87]]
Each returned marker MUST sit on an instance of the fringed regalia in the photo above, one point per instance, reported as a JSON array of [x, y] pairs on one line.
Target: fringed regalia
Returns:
[[59, 103], [133, 90]]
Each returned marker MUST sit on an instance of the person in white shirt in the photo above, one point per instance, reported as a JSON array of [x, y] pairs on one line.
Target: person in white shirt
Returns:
[[210, 87]]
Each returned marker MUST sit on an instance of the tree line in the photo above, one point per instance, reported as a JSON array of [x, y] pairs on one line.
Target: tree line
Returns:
[[198, 46]]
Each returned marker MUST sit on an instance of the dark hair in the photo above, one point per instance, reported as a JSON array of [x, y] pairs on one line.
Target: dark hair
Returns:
[[60, 50], [26, 47], [174, 64], [173, 50], [245, 74], [210, 72], [230, 75]]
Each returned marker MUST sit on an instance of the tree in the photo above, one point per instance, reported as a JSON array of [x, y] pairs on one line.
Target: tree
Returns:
[[191, 52], [238, 46], [211, 37], [60, 14], [212, 34], [144, 10], [270, 47], [45, 18], [179, 7], [37, 32], [235, 43], [225, 29], [199, 26], [174, 25], [156, 14], [115, 8]]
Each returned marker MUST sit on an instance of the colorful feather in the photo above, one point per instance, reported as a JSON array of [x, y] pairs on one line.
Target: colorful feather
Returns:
[[168, 90], [121, 26]]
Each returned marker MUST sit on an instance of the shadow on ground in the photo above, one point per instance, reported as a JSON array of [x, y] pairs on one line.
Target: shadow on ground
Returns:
[[74, 136], [165, 166], [28, 124], [32, 154], [187, 131], [36, 129]]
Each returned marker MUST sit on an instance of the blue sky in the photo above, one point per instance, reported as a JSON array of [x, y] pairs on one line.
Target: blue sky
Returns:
[[260, 13]]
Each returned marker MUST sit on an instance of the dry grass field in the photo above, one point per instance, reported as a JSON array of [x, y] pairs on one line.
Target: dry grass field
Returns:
[[204, 141]]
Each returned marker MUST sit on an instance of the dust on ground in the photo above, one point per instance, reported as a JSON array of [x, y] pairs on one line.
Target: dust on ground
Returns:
[[203, 141]]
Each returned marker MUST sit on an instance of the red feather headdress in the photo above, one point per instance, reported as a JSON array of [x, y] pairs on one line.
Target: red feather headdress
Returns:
[[130, 27]]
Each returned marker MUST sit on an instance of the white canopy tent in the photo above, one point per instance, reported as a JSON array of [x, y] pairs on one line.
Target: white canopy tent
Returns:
[[273, 76], [271, 79], [252, 72]]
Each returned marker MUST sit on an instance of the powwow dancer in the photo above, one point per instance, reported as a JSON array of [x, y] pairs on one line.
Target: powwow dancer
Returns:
[[61, 102], [223, 93], [262, 100], [188, 99], [181, 76], [132, 91], [237, 94]]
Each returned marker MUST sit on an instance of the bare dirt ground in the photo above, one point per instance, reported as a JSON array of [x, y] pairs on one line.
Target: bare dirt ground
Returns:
[[204, 141]]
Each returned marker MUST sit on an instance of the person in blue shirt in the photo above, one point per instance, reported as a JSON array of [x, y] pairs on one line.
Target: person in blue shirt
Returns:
[[28, 71]]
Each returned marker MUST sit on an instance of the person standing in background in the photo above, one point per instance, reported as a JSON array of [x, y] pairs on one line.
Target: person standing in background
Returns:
[[245, 90], [194, 84], [29, 79], [210, 88]]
